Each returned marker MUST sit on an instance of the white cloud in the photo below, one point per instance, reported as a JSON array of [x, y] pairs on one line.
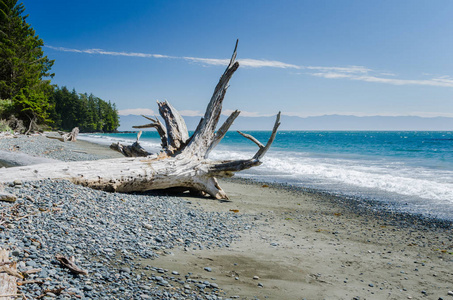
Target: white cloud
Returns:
[[208, 61], [331, 75], [443, 81], [357, 73], [347, 70], [253, 63], [113, 53], [136, 111]]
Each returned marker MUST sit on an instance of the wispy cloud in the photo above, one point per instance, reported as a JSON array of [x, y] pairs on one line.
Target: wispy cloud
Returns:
[[357, 73], [252, 63], [443, 81]]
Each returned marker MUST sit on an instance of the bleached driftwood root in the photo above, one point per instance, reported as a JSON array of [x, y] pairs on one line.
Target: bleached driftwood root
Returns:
[[183, 162], [66, 136], [71, 136]]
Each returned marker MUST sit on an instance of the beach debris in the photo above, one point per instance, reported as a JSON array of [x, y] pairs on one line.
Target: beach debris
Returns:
[[134, 150], [234, 210], [51, 292], [70, 264], [182, 165], [8, 274], [7, 197], [71, 136], [66, 136]]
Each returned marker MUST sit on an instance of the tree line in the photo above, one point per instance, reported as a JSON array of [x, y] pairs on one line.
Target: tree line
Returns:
[[26, 91], [89, 113]]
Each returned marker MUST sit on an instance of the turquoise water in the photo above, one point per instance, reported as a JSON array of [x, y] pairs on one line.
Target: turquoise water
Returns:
[[411, 170]]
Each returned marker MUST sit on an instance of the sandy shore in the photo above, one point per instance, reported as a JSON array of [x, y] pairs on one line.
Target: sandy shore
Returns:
[[313, 246], [309, 245]]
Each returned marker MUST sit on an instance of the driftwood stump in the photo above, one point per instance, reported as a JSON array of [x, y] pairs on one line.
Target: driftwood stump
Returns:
[[183, 162]]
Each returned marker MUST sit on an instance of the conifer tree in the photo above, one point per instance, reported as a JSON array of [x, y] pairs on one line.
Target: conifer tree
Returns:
[[23, 66]]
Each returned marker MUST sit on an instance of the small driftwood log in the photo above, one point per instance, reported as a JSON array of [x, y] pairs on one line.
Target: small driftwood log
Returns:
[[133, 150], [183, 162], [70, 264], [8, 276]]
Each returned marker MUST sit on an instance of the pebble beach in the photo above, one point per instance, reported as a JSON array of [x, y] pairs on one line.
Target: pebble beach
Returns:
[[268, 242]]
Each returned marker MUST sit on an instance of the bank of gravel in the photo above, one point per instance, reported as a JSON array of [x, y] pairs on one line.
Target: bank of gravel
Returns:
[[42, 146], [106, 233]]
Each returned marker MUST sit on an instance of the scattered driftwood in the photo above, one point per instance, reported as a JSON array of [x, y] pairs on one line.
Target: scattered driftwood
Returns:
[[69, 263], [134, 150], [183, 162], [8, 276]]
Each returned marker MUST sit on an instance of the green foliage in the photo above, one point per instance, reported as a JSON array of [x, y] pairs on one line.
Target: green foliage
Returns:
[[87, 112], [6, 107], [4, 126], [23, 65]]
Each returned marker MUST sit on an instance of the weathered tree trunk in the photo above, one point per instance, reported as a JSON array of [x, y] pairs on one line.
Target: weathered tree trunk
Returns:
[[182, 163]]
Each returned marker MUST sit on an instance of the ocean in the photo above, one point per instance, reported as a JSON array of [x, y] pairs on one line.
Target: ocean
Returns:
[[409, 171]]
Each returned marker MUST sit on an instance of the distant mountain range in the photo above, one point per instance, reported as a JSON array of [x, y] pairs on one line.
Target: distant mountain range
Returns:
[[327, 122]]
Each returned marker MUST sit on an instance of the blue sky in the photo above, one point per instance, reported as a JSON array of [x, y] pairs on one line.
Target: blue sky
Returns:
[[305, 58]]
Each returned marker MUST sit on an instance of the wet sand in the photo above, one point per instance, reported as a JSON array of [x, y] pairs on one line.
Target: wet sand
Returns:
[[307, 245]]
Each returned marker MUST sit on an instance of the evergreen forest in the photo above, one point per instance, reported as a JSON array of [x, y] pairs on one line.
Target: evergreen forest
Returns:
[[27, 95]]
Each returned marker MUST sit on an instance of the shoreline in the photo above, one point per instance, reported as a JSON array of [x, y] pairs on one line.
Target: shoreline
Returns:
[[307, 244]]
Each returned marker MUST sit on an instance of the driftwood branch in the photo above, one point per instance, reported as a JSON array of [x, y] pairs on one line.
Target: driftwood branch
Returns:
[[222, 131], [202, 138], [182, 164], [69, 263], [250, 137], [159, 127], [263, 149]]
